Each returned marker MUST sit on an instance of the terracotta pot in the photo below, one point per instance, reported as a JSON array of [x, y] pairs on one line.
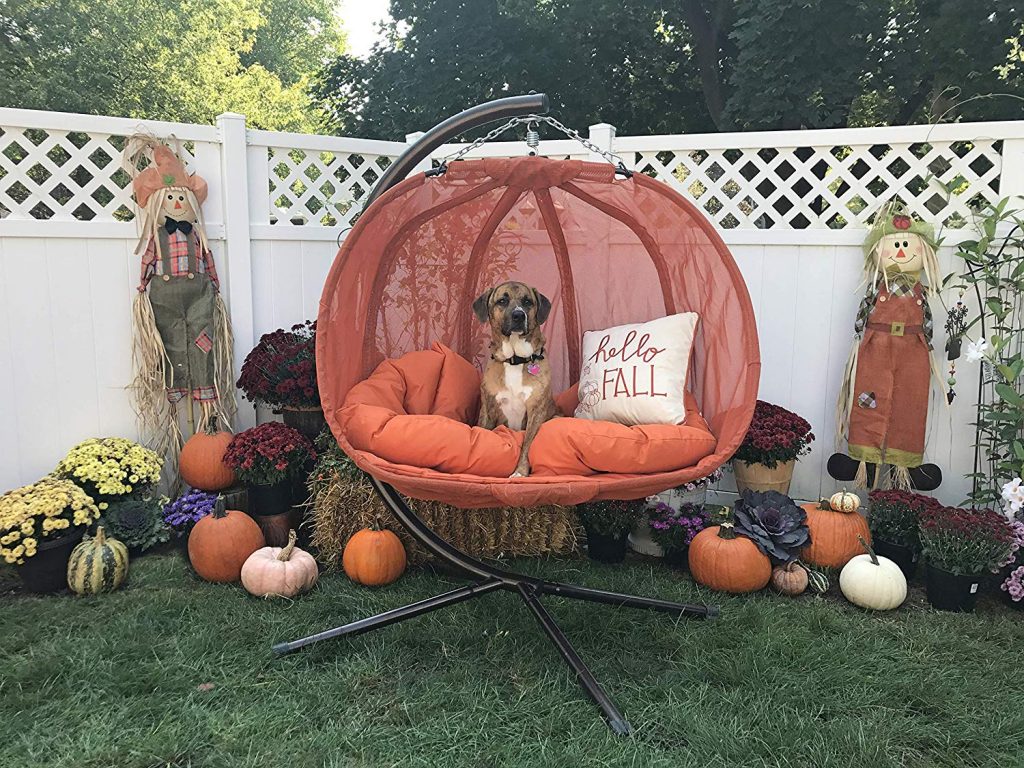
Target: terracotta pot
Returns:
[[309, 421], [758, 477], [47, 570], [275, 527]]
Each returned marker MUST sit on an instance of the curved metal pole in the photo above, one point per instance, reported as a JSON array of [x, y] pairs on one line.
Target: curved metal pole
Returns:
[[488, 112]]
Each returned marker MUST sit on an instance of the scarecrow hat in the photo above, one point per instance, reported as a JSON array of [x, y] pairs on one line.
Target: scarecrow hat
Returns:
[[894, 219], [166, 170]]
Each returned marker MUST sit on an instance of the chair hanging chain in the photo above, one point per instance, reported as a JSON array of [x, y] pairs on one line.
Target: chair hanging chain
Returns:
[[533, 140]]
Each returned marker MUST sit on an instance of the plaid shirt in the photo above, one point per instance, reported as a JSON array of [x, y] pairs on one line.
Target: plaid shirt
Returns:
[[896, 288], [178, 257]]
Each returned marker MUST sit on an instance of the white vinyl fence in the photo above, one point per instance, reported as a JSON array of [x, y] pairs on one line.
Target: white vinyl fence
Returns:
[[791, 205]]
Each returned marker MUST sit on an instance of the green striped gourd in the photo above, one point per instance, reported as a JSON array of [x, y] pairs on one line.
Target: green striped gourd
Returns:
[[97, 565]]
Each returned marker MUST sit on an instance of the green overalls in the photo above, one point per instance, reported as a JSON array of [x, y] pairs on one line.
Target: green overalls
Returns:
[[183, 307]]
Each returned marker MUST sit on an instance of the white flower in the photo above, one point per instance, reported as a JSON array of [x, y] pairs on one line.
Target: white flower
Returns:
[[976, 351], [1013, 498]]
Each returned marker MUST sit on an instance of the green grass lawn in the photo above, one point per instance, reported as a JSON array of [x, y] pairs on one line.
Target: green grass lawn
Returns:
[[172, 671]]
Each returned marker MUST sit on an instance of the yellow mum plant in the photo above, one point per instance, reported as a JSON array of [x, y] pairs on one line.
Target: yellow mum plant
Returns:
[[110, 467], [42, 510]]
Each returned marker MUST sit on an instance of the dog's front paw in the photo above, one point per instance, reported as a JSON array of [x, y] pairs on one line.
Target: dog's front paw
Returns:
[[520, 473]]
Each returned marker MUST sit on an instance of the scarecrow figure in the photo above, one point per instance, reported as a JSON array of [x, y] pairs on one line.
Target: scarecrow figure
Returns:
[[883, 403], [182, 332]]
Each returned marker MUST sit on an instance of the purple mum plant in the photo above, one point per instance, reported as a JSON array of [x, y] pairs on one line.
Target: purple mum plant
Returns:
[[186, 510], [673, 531]]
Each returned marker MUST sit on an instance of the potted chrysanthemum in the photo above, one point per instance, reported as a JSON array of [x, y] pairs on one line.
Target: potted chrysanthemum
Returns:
[[894, 521], [39, 526], [110, 468], [607, 524], [766, 457], [269, 460], [961, 547], [185, 511], [280, 373], [672, 530]]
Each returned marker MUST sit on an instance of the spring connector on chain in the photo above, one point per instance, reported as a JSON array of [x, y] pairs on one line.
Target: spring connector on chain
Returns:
[[532, 138]]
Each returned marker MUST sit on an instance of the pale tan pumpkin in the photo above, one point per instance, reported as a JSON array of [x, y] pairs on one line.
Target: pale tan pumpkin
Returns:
[[279, 571], [790, 579], [844, 501]]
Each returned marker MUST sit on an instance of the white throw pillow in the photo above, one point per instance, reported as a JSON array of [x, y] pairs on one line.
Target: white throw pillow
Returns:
[[636, 374]]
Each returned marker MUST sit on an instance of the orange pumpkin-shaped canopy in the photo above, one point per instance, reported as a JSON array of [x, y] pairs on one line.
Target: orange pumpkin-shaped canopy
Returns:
[[606, 250]]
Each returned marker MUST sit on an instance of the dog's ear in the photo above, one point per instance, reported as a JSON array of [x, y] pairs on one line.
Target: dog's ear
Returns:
[[543, 306], [481, 306]]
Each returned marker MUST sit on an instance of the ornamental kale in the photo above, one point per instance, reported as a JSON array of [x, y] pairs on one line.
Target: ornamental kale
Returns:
[[186, 510], [773, 522], [775, 436], [137, 523], [673, 531]]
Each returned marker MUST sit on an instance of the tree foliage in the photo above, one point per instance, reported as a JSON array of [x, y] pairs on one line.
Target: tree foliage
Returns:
[[185, 60], [696, 65]]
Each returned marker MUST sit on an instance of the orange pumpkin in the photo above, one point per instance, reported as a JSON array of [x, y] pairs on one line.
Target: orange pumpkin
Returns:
[[728, 563], [221, 542], [834, 535], [202, 461], [373, 557]]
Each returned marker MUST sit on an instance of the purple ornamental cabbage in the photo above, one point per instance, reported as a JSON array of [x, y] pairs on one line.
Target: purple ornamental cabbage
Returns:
[[774, 522]]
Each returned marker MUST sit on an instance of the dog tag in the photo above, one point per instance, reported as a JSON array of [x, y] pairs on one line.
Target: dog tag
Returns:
[[533, 369]]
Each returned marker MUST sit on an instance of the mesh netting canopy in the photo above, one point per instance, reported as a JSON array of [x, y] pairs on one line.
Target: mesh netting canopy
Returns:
[[606, 250]]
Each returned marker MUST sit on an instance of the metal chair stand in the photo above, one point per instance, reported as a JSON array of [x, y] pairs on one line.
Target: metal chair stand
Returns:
[[488, 579]]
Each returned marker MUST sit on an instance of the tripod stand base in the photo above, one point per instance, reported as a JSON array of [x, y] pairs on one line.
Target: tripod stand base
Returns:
[[488, 579]]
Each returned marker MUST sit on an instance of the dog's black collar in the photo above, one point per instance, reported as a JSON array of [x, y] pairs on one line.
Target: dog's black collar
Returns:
[[517, 360]]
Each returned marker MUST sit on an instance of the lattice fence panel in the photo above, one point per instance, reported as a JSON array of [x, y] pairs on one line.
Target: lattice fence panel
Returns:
[[831, 187], [65, 175], [320, 188]]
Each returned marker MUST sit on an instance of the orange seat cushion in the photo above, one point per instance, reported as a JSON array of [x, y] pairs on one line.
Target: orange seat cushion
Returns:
[[416, 410]]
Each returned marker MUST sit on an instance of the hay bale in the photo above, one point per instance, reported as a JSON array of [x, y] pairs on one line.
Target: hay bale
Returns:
[[343, 502]]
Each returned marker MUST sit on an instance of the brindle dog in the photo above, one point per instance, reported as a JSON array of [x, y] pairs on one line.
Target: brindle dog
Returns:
[[516, 385]]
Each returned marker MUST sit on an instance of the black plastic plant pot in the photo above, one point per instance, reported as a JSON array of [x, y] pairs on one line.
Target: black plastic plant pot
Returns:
[[678, 558], [47, 570], [605, 548], [905, 557], [951, 591], [273, 499]]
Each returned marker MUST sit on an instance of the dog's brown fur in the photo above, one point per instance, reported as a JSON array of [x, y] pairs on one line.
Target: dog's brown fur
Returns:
[[510, 393]]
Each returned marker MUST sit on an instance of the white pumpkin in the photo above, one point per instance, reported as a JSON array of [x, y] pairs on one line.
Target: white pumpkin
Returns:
[[279, 571], [873, 582]]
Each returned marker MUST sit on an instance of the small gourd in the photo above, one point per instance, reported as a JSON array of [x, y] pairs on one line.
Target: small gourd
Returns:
[[873, 582], [844, 501], [374, 557], [98, 564], [790, 579], [279, 571]]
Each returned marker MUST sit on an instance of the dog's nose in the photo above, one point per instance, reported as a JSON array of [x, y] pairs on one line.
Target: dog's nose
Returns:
[[519, 314]]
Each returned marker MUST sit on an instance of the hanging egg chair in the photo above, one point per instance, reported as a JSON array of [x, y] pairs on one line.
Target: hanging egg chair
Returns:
[[606, 245]]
